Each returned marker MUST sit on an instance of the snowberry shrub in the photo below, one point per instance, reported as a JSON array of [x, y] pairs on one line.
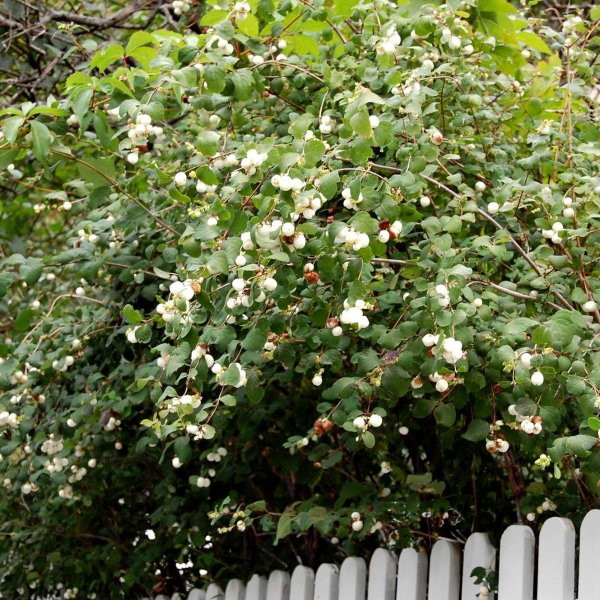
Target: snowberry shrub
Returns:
[[312, 270]]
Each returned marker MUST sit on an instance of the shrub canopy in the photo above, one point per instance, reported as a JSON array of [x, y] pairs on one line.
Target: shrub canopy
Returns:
[[323, 275]]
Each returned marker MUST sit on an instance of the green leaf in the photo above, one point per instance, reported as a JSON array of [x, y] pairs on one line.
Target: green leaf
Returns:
[[31, 271], [231, 376], [368, 439], [41, 138], [6, 280], [477, 430], [495, 6], [258, 506], [313, 152], [360, 151], [218, 263], [445, 414], [214, 77], [182, 448], [423, 407], [139, 38], [393, 338], [332, 459], [106, 57], [255, 340], [580, 445], [23, 320], [143, 334], [418, 482], [519, 325], [187, 77], [213, 17], [284, 526], [454, 224], [187, 54], [360, 123], [300, 125], [344, 8], [208, 142], [132, 315], [249, 26], [80, 101], [328, 184], [243, 83], [533, 41], [364, 223], [228, 400], [594, 423], [11, 127], [303, 44]]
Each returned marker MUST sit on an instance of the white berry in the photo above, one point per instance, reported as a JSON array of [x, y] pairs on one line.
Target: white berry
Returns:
[[441, 386], [357, 525], [493, 208], [180, 178], [537, 378]]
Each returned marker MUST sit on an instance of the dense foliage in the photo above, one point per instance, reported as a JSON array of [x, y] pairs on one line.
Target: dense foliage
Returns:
[[317, 274]]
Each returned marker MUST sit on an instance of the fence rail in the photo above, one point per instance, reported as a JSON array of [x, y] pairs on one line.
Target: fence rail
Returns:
[[446, 573]]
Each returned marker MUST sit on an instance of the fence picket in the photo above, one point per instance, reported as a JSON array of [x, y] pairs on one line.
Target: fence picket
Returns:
[[444, 571], [214, 592], [589, 551], [478, 552], [412, 575], [353, 579], [382, 575], [556, 560], [327, 582], [257, 588], [417, 576], [302, 586], [278, 586], [235, 590], [517, 552]]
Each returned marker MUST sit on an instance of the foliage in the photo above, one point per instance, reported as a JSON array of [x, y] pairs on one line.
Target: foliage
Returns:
[[323, 275]]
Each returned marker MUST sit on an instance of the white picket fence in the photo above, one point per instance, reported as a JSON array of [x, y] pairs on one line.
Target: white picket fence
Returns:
[[446, 573]]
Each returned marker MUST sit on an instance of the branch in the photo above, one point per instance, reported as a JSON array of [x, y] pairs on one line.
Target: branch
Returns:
[[391, 261], [96, 22], [117, 187], [512, 293], [514, 242]]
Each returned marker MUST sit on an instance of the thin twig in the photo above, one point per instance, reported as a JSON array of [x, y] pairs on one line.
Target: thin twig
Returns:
[[391, 261], [116, 185]]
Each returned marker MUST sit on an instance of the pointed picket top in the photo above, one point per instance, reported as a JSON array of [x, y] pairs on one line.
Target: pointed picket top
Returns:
[[197, 594], [235, 590], [556, 560], [302, 585], [478, 552], [412, 575], [382, 575], [214, 592], [589, 551], [517, 553], [278, 586], [327, 581], [444, 571], [257, 588], [353, 579]]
